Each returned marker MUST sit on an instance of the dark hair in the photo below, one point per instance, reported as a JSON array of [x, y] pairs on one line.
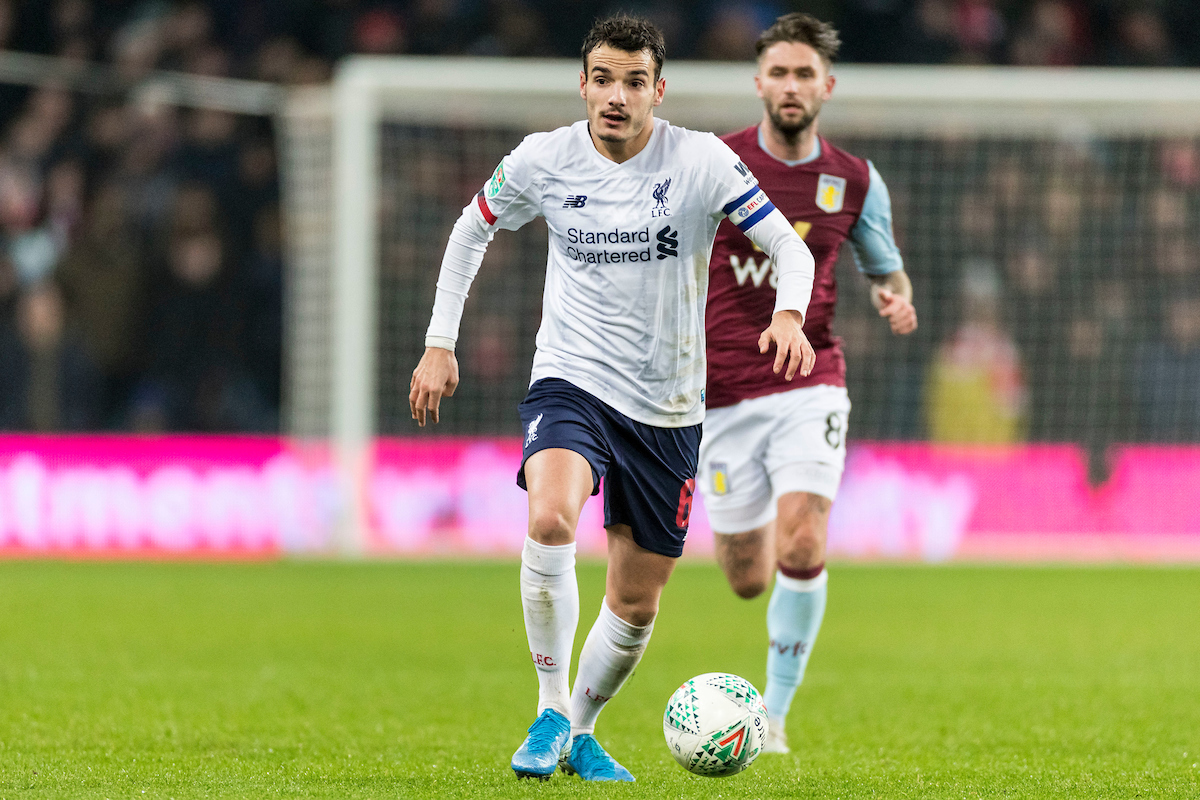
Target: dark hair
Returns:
[[631, 34], [805, 29]]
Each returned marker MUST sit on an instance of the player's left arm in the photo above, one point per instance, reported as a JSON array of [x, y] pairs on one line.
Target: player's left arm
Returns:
[[737, 196], [795, 269], [879, 258], [735, 193], [892, 295]]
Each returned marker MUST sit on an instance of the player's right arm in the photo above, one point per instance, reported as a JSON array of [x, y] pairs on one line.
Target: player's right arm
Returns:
[[795, 265], [508, 200]]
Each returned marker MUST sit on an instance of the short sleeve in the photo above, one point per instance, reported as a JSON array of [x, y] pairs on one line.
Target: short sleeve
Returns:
[[871, 238], [734, 189], [512, 196]]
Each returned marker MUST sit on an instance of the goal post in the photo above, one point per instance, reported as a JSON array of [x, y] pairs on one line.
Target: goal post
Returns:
[[987, 166]]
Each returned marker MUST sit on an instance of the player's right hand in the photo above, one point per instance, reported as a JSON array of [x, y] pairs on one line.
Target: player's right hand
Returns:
[[434, 378]]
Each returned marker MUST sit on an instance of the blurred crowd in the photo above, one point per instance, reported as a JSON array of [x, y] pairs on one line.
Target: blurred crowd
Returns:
[[1031, 32], [140, 283], [297, 40], [1147, 33], [140, 245]]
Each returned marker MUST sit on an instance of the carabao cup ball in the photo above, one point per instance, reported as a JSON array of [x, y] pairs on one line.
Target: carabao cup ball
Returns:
[[715, 724]]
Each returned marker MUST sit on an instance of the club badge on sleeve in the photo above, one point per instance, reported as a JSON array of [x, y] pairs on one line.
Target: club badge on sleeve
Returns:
[[497, 182]]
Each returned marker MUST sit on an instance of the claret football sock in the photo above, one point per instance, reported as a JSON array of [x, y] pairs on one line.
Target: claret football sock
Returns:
[[550, 600], [793, 619], [612, 650]]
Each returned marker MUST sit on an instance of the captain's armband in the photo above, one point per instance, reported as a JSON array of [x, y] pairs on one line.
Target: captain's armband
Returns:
[[747, 210]]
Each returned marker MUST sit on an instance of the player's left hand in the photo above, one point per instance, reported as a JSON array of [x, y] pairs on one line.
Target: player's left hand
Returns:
[[791, 345], [898, 311]]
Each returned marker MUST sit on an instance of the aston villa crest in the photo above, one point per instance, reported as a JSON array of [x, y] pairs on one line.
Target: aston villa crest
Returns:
[[720, 477], [831, 193]]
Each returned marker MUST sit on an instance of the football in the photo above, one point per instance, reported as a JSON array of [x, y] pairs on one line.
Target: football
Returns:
[[715, 724]]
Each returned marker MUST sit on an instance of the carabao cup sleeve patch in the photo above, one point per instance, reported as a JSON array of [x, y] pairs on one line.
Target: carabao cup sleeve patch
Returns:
[[496, 182]]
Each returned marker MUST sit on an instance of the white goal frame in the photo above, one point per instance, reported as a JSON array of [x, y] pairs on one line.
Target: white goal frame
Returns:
[[542, 94]]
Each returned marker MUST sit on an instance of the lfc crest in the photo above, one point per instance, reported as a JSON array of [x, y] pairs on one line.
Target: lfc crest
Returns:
[[660, 199], [831, 193]]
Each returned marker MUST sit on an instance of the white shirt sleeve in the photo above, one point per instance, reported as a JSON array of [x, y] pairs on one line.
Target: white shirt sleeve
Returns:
[[747, 206], [793, 260], [509, 199]]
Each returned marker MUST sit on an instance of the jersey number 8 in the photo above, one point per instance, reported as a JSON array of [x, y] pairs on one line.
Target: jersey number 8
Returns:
[[834, 431]]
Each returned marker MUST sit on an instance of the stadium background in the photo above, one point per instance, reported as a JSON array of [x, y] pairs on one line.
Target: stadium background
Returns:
[[149, 305]]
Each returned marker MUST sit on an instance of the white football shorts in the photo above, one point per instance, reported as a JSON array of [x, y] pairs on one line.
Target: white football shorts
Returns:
[[759, 449]]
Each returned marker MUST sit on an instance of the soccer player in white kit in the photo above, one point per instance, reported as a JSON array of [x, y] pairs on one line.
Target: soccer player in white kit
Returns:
[[632, 204], [773, 451]]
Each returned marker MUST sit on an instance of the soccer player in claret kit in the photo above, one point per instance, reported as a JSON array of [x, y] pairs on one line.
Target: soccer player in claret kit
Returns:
[[632, 204], [773, 450]]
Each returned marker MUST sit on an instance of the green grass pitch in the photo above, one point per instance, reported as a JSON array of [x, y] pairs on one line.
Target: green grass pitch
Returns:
[[413, 680]]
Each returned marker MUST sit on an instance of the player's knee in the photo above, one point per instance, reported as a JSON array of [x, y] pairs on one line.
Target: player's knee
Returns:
[[801, 531], [804, 552], [637, 611], [550, 526], [748, 587], [748, 581]]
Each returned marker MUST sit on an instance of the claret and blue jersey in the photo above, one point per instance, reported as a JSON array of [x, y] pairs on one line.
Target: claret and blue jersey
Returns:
[[830, 197]]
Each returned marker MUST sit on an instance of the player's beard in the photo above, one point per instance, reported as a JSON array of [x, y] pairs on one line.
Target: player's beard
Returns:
[[791, 130]]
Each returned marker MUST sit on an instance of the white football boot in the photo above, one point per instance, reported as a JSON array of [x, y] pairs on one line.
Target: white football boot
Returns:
[[776, 739]]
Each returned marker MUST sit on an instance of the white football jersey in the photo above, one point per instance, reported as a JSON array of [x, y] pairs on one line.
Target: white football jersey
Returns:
[[627, 269]]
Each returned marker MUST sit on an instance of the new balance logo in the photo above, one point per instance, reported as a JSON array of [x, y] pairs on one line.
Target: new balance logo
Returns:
[[575, 201], [668, 243]]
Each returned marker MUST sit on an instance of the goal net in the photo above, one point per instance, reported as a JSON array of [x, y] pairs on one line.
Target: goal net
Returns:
[[1050, 221]]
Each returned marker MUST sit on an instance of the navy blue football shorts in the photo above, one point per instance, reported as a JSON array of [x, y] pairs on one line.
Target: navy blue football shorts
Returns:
[[649, 472]]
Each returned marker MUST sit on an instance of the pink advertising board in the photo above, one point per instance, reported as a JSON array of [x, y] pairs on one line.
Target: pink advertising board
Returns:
[[222, 496], [1031, 502], [254, 497], [897, 500]]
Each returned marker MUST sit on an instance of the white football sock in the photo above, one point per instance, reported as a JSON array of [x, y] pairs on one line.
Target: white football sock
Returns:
[[612, 650], [550, 599], [793, 620]]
